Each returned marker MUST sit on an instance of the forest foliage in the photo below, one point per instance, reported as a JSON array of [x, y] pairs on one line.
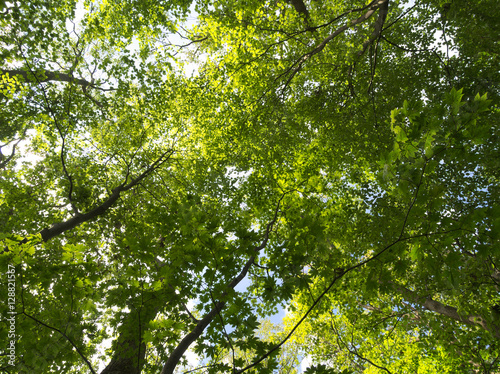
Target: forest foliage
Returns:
[[174, 173]]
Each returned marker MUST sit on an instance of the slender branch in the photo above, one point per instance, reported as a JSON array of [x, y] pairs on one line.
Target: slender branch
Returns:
[[431, 51], [87, 362], [159, 264], [292, 331], [339, 273], [400, 16], [66, 337], [191, 42], [354, 352], [186, 309], [4, 160], [199, 368]]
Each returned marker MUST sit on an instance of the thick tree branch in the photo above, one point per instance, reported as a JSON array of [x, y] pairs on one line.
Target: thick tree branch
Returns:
[[51, 76], [445, 310], [300, 7], [372, 8], [379, 24], [190, 338], [60, 227]]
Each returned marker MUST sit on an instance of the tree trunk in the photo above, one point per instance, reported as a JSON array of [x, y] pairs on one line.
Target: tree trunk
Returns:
[[129, 351]]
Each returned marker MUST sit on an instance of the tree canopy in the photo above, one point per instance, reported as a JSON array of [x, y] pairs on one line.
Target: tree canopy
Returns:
[[174, 173]]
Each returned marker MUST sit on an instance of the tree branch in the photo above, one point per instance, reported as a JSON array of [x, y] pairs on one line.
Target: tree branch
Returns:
[[445, 310], [190, 338], [338, 274], [373, 6], [60, 227], [379, 23], [52, 76], [65, 337], [84, 358], [4, 160], [353, 351], [300, 7]]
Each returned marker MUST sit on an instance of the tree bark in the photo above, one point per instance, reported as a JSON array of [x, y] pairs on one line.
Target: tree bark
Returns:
[[379, 23], [446, 310], [47, 76], [300, 7], [129, 351]]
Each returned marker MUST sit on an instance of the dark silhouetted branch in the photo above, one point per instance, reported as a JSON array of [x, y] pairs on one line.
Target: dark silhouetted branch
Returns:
[[60, 227]]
